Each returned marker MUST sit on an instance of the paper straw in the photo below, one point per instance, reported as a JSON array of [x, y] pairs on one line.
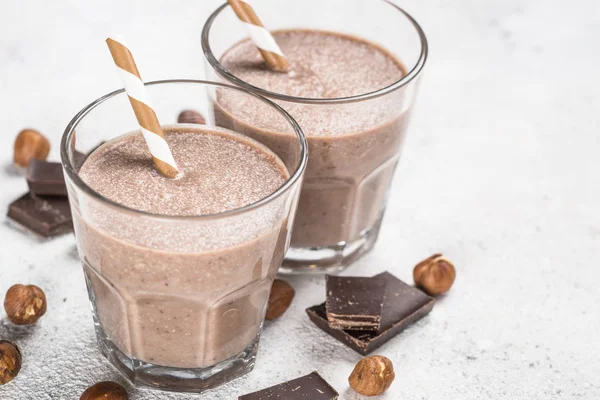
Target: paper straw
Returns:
[[138, 97], [260, 36]]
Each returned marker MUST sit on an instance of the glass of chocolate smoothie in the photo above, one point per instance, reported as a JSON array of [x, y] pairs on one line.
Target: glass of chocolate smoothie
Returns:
[[355, 67], [179, 270]]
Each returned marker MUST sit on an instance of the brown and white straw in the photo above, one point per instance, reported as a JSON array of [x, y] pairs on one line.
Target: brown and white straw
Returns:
[[138, 97], [260, 36]]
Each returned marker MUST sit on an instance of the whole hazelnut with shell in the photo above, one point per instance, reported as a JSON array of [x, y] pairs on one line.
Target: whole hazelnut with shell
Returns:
[[24, 304], [105, 391], [10, 361], [191, 117], [372, 376], [30, 144], [434, 275], [280, 298]]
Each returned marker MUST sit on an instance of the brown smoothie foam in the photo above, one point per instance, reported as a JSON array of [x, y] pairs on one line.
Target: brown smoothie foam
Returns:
[[353, 147], [184, 292], [221, 172]]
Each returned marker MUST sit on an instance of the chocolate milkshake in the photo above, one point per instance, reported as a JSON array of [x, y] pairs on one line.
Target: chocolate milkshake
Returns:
[[353, 145], [170, 288]]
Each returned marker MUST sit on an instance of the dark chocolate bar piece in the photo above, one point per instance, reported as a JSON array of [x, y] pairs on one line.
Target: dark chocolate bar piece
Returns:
[[354, 302], [309, 387], [44, 215], [46, 178], [403, 306]]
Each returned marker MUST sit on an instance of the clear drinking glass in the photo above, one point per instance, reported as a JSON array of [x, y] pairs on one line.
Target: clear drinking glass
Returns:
[[178, 302], [350, 168]]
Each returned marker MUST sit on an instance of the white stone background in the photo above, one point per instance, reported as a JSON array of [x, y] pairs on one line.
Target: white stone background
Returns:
[[500, 172]]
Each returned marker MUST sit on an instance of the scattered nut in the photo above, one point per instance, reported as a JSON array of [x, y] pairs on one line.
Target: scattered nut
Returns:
[[24, 305], [434, 275], [105, 391], [30, 144], [10, 361], [190, 117], [282, 294], [372, 375]]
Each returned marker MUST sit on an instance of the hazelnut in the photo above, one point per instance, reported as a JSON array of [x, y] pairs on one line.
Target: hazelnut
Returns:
[[372, 375], [10, 361], [434, 275], [190, 117], [105, 391], [280, 298], [24, 305], [30, 144]]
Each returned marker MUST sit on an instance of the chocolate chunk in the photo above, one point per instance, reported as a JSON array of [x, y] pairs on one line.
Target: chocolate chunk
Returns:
[[354, 302], [403, 306], [46, 178], [47, 216], [309, 387]]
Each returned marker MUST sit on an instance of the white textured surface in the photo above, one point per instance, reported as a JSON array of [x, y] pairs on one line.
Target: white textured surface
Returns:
[[500, 172]]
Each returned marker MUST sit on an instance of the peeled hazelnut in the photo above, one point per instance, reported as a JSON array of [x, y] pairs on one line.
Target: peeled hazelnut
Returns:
[[190, 117], [24, 305], [10, 361], [105, 391], [434, 275], [30, 144], [372, 375], [282, 294]]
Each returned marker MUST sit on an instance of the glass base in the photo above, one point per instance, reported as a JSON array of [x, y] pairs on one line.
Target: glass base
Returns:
[[195, 380], [328, 259]]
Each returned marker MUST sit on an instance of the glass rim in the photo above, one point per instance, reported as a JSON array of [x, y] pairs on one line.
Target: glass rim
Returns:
[[411, 75], [75, 178]]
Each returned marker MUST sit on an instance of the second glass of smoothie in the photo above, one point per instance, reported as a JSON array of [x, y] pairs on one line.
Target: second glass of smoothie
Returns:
[[179, 270], [354, 72]]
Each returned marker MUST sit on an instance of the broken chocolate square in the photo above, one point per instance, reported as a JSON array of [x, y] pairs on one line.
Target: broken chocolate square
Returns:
[[309, 387], [46, 178], [403, 306], [44, 215], [354, 303]]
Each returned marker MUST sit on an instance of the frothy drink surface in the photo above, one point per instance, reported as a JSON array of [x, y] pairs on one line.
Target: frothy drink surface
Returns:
[[220, 172], [353, 146], [324, 65], [185, 293]]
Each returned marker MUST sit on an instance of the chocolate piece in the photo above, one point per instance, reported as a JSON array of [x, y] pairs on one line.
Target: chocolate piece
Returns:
[[46, 178], [403, 306], [354, 302], [47, 216], [309, 387]]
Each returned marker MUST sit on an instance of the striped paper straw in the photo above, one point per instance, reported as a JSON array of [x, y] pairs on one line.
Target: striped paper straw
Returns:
[[138, 97], [261, 37]]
